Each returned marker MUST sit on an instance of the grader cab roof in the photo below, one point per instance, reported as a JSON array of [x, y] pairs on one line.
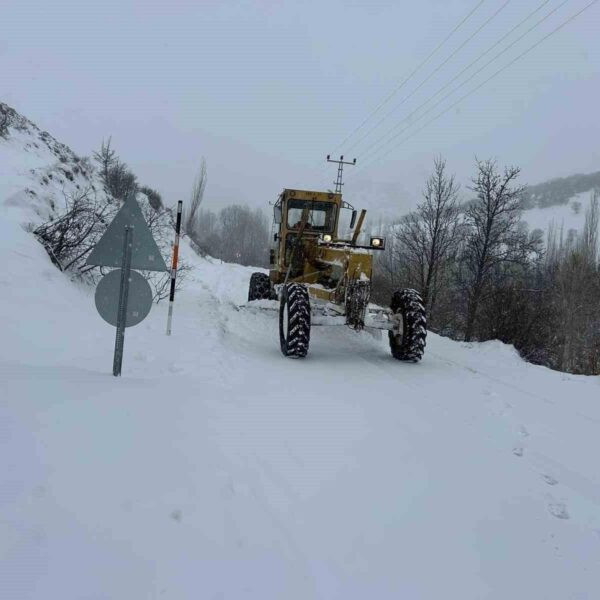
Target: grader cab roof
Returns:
[[311, 195]]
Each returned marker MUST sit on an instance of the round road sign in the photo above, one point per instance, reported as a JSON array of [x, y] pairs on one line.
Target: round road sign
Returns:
[[139, 299]]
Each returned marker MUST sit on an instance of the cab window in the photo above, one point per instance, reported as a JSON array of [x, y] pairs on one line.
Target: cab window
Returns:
[[321, 216]]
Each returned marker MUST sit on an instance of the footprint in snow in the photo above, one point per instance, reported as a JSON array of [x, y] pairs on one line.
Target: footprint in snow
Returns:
[[518, 451], [523, 431], [558, 509], [239, 489], [176, 515], [549, 479]]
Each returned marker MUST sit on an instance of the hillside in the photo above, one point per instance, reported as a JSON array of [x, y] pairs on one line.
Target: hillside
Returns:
[[559, 203], [52, 190], [216, 468], [560, 190], [38, 173]]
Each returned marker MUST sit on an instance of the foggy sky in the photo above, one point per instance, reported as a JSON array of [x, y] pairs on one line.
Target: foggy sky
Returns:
[[265, 89]]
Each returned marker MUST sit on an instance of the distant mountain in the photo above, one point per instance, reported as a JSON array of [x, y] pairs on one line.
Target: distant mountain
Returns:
[[559, 203], [559, 191]]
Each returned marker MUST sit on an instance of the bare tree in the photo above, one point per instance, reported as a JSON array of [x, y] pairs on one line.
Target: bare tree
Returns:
[[6, 117], [118, 179], [246, 235], [121, 181], [492, 218], [154, 197], [589, 238], [192, 212], [236, 234], [429, 234], [69, 238], [574, 284], [161, 225], [106, 157]]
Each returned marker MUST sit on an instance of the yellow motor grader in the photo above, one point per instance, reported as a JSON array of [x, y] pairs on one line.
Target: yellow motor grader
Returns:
[[322, 279]]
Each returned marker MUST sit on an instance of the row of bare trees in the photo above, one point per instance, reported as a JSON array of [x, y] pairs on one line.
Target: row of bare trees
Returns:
[[483, 275], [236, 234]]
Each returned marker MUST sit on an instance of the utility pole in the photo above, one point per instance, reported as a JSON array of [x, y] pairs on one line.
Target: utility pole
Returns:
[[340, 163]]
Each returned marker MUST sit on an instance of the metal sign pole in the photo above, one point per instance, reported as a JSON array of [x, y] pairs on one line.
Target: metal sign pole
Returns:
[[174, 266], [123, 296]]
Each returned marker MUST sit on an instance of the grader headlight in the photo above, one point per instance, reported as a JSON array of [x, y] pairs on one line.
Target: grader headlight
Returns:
[[378, 242], [326, 237]]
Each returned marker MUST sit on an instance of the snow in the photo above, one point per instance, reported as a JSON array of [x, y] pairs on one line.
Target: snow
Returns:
[[560, 215], [217, 468]]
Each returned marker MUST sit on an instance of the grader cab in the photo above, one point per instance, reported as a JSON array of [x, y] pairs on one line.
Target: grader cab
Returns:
[[323, 278]]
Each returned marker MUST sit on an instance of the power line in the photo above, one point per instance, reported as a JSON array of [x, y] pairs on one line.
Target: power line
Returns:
[[407, 118], [524, 53], [456, 51], [407, 79], [323, 170]]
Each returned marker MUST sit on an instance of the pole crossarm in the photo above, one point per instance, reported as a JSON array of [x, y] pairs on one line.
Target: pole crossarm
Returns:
[[340, 163]]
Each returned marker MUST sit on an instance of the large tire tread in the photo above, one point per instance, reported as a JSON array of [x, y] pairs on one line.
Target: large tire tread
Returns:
[[411, 347], [295, 300], [260, 288]]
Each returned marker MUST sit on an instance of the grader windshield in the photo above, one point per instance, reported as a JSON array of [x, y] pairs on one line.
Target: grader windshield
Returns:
[[321, 216]]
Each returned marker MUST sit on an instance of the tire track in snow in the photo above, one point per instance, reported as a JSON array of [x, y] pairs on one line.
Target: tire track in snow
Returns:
[[247, 324]]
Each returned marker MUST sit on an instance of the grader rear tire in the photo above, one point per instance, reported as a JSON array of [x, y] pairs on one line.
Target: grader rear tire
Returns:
[[409, 345], [260, 287], [294, 320]]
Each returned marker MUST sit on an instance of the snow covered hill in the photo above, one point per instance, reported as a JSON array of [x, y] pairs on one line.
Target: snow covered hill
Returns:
[[37, 172], [569, 216], [216, 468]]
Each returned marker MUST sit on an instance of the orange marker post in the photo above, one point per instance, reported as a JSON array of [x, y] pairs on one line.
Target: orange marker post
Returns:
[[174, 266]]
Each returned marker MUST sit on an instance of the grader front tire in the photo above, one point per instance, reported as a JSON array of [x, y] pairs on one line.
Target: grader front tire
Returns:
[[294, 320]]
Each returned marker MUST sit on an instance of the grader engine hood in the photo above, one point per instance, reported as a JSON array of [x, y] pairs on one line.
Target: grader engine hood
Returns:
[[354, 263], [329, 270]]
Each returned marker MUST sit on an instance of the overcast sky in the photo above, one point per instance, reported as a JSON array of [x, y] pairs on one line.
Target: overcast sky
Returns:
[[265, 89]]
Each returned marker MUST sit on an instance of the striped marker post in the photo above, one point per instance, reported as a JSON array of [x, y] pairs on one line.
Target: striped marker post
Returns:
[[174, 266]]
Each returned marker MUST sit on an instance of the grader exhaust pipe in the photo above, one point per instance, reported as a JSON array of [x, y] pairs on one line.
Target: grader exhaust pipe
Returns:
[[359, 225]]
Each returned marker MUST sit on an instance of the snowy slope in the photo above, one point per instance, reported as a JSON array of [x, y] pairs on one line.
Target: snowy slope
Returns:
[[216, 468], [560, 216], [37, 172]]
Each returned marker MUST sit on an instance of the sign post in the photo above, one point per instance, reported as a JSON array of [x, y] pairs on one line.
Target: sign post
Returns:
[[123, 296], [174, 266]]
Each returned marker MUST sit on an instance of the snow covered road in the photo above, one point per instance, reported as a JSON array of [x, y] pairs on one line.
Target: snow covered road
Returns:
[[216, 468]]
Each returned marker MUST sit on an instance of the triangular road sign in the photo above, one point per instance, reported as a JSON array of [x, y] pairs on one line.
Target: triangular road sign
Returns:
[[145, 255]]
